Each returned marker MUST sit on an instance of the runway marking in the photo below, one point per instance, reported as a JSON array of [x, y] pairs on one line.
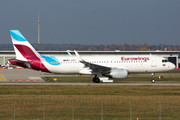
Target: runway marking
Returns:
[[2, 78], [24, 80], [32, 78]]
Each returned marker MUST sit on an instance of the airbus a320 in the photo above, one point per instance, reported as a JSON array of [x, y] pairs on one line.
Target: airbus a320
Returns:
[[113, 66]]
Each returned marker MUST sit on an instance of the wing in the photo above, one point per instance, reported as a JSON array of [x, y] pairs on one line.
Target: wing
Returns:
[[94, 67]]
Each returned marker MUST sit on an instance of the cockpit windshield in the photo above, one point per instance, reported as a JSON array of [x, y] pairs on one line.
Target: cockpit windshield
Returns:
[[165, 61]]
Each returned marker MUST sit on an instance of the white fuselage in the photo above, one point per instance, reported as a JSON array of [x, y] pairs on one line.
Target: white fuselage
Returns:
[[133, 63]]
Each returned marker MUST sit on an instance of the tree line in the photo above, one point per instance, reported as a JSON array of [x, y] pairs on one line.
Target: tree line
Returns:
[[112, 47]]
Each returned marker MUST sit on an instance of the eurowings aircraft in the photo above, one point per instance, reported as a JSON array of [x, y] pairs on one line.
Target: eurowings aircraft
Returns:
[[113, 66]]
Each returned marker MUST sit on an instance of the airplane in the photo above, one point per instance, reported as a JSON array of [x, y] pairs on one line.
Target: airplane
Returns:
[[112, 66]]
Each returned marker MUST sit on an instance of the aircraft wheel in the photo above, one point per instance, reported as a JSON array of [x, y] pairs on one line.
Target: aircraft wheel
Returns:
[[153, 81], [96, 80]]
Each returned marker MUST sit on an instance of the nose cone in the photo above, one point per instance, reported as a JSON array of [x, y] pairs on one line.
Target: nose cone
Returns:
[[171, 66]]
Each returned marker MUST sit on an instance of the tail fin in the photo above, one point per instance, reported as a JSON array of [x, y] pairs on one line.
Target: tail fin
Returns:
[[22, 47]]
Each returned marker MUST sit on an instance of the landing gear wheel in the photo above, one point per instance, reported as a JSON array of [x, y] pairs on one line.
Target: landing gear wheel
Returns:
[[96, 80], [153, 81]]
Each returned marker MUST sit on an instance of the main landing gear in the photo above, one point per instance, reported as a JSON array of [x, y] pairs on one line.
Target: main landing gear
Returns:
[[153, 81], [96, 79]]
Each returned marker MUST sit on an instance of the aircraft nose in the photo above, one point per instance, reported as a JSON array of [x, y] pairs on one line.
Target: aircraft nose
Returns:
[[172, 66]]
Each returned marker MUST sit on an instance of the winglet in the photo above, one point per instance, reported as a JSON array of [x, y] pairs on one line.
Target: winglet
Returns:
[[78, 56], [69, 53]]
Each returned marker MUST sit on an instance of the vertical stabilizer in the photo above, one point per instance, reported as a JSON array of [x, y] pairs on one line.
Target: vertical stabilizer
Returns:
[[22, 47]]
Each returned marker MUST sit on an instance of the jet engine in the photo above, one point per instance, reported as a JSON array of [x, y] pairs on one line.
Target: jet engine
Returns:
[[119, 74]]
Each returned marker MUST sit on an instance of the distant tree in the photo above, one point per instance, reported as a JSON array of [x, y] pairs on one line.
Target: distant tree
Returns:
[[176, 49], [112, 47], [143, 49], [90, 48], [138, 47], [169, 48], [68, 48], [161, 47], [132, 47], [153, 49], [146, 46], [106, 48], [125, 47], [101, 47]]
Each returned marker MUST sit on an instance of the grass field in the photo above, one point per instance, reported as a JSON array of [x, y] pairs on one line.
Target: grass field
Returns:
[[133, 78], [90, 102]]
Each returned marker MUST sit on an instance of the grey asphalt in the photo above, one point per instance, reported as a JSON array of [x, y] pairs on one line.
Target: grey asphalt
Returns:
[[9, 75]]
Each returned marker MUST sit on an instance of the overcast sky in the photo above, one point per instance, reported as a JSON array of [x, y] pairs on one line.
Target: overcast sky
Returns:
[[92, 22]]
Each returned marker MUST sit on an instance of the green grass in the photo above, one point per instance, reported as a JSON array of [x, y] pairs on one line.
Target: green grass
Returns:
[[174, 71], [90, 90], [87, 101], [130, 79], [59, 101]]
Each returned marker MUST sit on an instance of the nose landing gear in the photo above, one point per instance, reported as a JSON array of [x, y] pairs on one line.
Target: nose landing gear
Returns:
[[153, 81]]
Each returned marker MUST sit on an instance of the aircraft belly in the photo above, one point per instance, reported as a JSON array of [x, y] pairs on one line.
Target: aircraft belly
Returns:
[[138, 68], [69, 70], [150, 69]]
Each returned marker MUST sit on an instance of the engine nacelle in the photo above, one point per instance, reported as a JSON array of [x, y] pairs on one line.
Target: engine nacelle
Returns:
[[119, 73]]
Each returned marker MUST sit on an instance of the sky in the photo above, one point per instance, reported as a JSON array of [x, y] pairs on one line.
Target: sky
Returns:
[[92, 22]]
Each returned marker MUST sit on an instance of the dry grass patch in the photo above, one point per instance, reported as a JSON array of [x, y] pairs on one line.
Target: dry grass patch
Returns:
[[87, 102]]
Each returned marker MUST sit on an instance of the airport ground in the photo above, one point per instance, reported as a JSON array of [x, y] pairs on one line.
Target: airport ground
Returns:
[[28, 76], [88, 101]]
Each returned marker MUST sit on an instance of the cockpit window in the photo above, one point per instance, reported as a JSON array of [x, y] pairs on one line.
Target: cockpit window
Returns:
[[165, 61]]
